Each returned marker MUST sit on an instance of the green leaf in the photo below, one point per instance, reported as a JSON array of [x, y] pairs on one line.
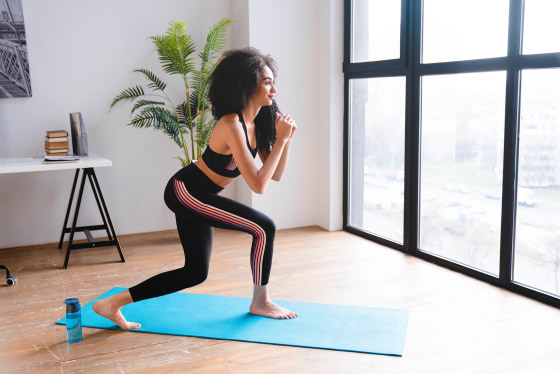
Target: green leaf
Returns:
[[194, 103], [155, 82], [204, 129], [173, 132], [160, 119], [199, 80], [183, 114], [183, 161], [215, 41], [174, 49], [142, 103], [128, 94]]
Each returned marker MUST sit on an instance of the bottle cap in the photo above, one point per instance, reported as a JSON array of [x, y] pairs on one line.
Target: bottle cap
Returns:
[[72, 305]]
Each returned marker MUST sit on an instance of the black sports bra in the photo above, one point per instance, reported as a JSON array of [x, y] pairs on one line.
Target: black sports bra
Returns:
[[225, 165]]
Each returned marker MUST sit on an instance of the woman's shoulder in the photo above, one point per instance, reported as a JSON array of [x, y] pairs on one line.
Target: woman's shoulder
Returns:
[[228, 122]]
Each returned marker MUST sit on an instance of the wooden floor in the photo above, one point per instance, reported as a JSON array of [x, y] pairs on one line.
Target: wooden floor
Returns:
[[456, 324]]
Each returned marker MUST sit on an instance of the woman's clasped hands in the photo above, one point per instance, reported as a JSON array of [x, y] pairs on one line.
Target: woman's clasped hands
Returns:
[[285, 127]]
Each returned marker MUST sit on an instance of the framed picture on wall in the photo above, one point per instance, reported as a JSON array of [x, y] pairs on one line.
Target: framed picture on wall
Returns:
[[14, 65]]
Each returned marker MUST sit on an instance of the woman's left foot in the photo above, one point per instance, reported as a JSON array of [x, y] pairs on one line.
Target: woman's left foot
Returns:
[[271, 310]]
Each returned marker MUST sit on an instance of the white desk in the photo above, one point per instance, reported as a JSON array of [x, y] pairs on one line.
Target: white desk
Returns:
[[21, 165], [86, 164]]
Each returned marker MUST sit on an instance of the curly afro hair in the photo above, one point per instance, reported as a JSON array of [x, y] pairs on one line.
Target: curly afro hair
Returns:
[[232, 84], [235, 79], [265, 126]]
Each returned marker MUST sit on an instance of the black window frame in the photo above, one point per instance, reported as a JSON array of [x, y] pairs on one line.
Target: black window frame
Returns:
[[410, 66]]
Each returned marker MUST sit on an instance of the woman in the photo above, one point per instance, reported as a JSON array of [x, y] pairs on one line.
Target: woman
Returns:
[[241, 84]]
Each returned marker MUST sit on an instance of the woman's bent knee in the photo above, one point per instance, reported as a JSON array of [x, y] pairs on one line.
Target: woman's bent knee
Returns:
[[192, 277], [268, 225]]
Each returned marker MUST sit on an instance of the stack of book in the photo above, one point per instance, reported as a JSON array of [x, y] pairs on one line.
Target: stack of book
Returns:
[[56, 143]]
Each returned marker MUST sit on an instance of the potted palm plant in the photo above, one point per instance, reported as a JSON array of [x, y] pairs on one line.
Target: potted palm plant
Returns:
[[190, 122]]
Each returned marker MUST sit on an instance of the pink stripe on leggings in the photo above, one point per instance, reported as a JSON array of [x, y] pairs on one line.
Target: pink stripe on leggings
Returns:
[[230, 219]]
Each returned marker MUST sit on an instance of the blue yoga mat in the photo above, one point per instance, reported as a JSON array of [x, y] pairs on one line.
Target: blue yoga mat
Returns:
[[326, 326]]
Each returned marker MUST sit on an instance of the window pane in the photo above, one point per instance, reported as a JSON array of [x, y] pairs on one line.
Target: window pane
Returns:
[[377, 156], [541, 27], [537, 241], [461, 167], [464, 30], [376, 33]]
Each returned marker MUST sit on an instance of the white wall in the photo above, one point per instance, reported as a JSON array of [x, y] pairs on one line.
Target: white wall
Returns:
[[306, 39], [288, 31], [330, 114], [81, 55]]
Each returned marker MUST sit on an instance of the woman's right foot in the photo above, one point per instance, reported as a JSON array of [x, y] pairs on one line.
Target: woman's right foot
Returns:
[[271, 310], [104, 308]]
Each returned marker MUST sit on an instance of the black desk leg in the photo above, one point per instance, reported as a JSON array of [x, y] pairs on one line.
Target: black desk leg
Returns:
[[107, 224], [101, 211], [69, 208], [75, 220], [106, 214]]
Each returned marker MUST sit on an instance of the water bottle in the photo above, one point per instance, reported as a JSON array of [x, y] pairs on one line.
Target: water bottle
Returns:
[[73, 320]]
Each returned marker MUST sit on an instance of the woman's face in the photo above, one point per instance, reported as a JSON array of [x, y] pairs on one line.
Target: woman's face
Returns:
[[264, 93]]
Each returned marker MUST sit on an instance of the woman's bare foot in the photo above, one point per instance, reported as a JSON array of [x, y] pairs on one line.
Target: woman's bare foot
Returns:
[[262, 306], [271, 310], [110, 308]]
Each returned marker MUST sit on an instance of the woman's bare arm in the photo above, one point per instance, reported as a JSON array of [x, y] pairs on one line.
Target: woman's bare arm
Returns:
[[283, 163], [231, 132]]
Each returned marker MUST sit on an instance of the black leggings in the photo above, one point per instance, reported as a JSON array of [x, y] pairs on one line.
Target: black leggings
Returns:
[[194, 199]]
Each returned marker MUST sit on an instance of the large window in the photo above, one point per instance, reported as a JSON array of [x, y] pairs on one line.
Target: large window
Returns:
[[461, 158], [453, 135], [381, 41], [537, 239], [464, 30], [541, 26], [377, 166]]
